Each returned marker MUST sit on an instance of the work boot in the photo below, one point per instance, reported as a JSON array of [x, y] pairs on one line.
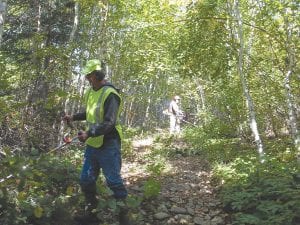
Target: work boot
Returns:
[[87, 219], [124, 217], [89, 216]]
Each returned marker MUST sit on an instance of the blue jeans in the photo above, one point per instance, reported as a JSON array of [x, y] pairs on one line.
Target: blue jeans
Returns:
[[107, 158]]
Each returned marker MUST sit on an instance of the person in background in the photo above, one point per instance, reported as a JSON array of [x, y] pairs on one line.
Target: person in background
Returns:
[[103, 142], [175, 115]]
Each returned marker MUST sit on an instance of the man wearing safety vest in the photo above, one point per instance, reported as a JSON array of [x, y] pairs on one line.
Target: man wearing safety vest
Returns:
[[103, 141]]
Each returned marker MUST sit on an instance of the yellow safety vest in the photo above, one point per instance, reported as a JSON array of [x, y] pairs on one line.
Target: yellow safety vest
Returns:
[[94, 101]]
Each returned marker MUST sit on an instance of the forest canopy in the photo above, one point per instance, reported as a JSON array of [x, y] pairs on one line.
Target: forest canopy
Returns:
[[233, 62]]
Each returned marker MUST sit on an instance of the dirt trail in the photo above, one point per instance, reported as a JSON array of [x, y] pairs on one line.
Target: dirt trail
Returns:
[[187, 195]]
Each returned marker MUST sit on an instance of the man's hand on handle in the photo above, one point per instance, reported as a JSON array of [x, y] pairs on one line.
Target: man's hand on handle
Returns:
[[82, 136], [68, 118]]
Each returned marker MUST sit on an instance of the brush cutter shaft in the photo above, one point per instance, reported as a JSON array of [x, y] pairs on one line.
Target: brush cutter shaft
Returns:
[[64, 144]]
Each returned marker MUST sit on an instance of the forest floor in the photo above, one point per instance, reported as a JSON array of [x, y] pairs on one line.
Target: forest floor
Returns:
[[187, 195]]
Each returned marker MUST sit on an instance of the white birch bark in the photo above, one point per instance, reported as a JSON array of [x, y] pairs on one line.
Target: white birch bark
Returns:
[[291, 112], [75, 22], [3, 6], [290, 67], [240, 66], [148, 105], [130, 114], [78, 82], [33, 94], [201, 94]]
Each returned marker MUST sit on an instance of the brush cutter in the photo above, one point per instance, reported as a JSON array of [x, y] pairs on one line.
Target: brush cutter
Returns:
[[67, 140], [185, 121]]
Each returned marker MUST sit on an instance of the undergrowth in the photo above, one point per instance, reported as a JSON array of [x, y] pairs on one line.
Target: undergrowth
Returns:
[[253, 193], [39, 189], [43, 189]]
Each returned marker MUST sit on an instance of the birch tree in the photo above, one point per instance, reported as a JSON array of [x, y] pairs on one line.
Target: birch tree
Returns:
[[3, 6], [240, 68], [290, 27]]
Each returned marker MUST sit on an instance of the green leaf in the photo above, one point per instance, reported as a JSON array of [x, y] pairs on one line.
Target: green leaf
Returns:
[[151, 188], [38, 212], [112, 203], [133, 202]]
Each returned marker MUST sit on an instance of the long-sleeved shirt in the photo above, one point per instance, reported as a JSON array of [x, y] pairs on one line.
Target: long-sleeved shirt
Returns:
[[174, 109]]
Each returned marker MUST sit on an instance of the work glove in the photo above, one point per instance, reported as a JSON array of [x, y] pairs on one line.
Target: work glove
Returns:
[[68, 118], [82, 136]]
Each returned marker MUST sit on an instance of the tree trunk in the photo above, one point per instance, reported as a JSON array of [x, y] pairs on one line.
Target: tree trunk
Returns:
[[240, 63], [290, 67], [291, 112], [200, 90], [201, 95], [146, 118], [37, 92], [3, 6], [75, 23]]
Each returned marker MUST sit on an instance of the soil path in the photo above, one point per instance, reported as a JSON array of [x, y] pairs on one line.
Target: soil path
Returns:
[[187, 195]]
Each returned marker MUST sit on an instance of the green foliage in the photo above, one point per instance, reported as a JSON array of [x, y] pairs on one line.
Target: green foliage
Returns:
[[265, 200], [260, 194], [156, 161], [129, 135], [39, 191], [150, 46], [107, 201], [151, 188], [156, 168], [133, 201], [202, 25], [254, 193], [238, 170], [246, 219], [215, 146]]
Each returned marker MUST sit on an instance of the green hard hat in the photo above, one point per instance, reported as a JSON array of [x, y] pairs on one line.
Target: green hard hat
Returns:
[[91, 65]]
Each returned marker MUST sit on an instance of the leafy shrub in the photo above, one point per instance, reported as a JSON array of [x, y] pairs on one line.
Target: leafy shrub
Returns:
[[129, 134], [151, 188], [262, 196], [214, 149], [239, 170], [156, 168], [39, 191]]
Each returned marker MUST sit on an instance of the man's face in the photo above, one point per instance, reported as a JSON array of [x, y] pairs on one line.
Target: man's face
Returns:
[[91, 79]]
